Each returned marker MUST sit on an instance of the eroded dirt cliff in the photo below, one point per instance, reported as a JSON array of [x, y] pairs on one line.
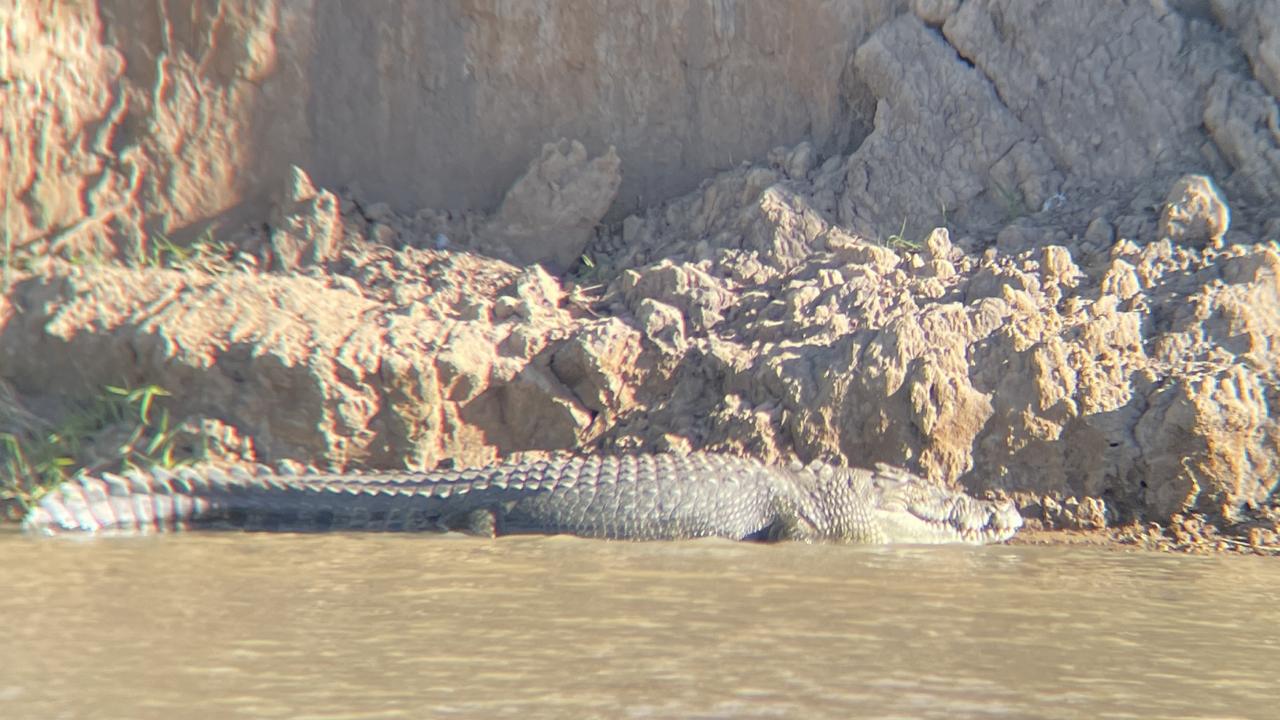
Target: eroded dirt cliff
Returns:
[[1048, 267]]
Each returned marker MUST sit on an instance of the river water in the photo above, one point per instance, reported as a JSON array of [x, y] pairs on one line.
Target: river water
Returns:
[[347, 626]]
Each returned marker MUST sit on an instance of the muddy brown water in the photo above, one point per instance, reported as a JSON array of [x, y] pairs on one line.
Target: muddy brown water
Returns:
[[347, 626]]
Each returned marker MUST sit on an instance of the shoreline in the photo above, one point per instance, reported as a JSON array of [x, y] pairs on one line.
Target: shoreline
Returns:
[[1153, 537]]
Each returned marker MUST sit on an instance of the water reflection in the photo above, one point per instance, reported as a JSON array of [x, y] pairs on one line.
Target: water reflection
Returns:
[[385, 626]]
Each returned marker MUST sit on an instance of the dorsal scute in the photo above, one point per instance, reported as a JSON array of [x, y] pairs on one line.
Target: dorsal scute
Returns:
[[824, 471], [130, 481], [117, 485], [216, 476]]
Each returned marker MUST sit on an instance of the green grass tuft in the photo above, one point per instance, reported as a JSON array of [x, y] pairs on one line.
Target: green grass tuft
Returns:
[[205, 254], [34, 460], [1015, 206], [899, 242]]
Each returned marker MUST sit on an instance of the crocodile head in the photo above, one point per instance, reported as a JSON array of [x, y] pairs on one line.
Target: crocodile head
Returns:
[[908, 509], [888, 505]]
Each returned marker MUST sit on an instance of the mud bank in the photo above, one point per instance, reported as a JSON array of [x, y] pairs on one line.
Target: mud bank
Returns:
[[1033, 252]]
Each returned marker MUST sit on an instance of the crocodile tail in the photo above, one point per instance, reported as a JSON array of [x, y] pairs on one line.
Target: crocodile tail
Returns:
[[158, 500], [132, 502]]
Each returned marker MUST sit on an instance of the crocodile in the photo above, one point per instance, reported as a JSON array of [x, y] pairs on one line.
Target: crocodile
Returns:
[[635, 497]]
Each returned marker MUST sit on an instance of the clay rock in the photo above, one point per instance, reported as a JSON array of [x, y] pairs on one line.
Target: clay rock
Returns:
[[795, 162], [800, 160], [1239, 115], [1057, 267], [663, 324], [538, 288], [1258, 27], [549, 214], [1100, 234], [534, 296], [693, 293], [786, 229], [934, 12], [1108, 90], [602, 364], [537, 413], [462, 367], [1074, 513], [307, 228], [942, 136], [1195, 213], [51, 151], [1241, 317], [1121, 280], [1201, 435], [876, 258]]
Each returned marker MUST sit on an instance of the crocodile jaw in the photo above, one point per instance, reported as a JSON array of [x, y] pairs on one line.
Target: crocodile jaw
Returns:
[[948, 518]]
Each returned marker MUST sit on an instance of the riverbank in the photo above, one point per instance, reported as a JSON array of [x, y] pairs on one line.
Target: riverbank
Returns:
[[1257, 534], [959, 364], [971, 279]]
